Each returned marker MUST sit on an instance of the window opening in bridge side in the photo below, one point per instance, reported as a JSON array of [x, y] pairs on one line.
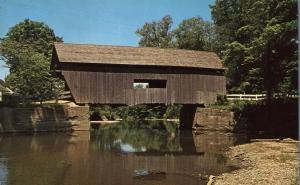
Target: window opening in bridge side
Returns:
[[149, 83]]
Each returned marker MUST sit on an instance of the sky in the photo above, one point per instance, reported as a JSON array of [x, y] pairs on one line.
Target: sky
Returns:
[[106, 22]]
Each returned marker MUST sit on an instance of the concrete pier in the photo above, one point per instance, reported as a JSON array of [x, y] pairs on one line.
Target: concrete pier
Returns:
[[56, 117], [201, 118]]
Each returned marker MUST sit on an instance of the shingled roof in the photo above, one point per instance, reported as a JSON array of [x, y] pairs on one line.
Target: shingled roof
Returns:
[[126, 55]]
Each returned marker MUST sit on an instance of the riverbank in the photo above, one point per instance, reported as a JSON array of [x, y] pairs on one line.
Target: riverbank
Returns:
[[264, 117], [263, 163]]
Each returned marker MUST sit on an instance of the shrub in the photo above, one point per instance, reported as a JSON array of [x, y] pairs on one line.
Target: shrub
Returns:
[[172, 111], [103, 112]]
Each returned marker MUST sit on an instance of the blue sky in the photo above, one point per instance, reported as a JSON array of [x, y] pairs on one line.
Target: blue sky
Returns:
[[111, 22]]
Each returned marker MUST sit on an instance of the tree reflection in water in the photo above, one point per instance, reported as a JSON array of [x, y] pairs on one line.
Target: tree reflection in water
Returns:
[[112, 154], [138, 136]]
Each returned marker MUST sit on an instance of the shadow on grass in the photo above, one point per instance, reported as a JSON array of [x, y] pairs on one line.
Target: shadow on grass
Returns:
[[276, 119]]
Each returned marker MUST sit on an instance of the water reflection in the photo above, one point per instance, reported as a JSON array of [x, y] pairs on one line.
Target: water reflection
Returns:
[[3, 171], [137, 137], [112, 155]]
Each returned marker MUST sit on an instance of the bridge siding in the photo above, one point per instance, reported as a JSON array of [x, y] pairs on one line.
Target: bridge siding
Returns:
[[112, 84]]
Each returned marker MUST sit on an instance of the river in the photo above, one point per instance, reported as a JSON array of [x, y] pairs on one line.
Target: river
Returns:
[[120, 154]]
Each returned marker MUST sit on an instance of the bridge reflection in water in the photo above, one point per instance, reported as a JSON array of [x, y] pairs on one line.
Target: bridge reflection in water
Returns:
[[112, 154]]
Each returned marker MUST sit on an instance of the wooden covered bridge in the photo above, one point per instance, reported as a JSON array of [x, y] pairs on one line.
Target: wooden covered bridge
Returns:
[[98, 74]]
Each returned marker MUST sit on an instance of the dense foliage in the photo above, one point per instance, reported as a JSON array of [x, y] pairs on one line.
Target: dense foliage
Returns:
[[271, 120], [156, 33], [27, 50], [137, 112], [257, 40], [193, 33]]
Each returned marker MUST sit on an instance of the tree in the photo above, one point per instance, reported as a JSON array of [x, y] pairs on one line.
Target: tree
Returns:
[[194, 34], [276, 48], [257, 41], [32, 78], [156, 33], [28, 35], [234, 34], [26, 50]]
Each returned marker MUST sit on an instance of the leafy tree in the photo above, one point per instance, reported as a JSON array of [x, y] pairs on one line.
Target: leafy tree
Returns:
[[32, 78], [234, 33], [27, 35], [258, 43], [194, 34], [276, 48], [156, 33], [26, 50]]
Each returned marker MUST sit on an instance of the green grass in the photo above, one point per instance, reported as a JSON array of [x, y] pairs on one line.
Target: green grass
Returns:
[[222, 107]]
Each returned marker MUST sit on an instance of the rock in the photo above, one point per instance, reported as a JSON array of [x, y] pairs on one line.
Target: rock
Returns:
[[203, 177], [211, 180], [264, 140], [208, 119], [288, 140], [103, 118], [148, 173], [238, 155]]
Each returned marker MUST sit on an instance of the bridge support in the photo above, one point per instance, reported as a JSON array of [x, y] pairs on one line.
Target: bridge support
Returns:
[[188, 115], [187, 142], [200, 118]]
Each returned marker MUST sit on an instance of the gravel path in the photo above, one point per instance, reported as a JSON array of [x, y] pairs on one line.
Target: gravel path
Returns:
[[262, 163]]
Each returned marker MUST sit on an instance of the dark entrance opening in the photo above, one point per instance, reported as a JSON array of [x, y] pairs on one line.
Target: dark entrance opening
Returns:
[[149, 83]]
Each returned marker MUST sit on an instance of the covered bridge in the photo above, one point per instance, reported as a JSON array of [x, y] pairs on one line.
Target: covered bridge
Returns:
[[99, 74]]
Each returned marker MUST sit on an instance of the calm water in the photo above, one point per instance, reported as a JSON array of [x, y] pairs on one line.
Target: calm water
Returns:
[[114, 155]]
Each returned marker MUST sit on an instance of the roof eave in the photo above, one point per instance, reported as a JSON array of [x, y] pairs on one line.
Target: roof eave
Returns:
[[97, 63]]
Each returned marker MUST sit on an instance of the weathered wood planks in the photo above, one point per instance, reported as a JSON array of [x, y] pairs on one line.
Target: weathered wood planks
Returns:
[[113, 84]]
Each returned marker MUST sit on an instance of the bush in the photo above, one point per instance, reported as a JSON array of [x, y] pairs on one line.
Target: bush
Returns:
[[222, 100], [103, 112], [278, 117], [172, 112], [136, 112]]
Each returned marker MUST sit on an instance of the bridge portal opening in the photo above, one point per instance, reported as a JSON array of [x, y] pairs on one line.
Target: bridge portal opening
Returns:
[[149, 83]]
